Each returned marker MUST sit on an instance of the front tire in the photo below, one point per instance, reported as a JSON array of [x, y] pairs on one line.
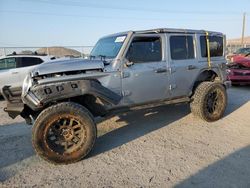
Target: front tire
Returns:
[[64, 133], [209, 101]]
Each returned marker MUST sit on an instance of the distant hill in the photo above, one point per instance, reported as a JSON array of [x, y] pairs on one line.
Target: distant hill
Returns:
[[59, 52]]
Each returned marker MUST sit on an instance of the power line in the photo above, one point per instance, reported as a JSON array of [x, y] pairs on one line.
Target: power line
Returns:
[[142, 9], [8, 44], [112, 17]]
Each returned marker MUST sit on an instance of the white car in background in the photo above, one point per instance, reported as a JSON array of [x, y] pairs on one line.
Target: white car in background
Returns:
[[14, 68]]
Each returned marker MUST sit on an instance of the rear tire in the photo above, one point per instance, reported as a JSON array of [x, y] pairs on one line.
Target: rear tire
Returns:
[[64, 133], [209, 101]]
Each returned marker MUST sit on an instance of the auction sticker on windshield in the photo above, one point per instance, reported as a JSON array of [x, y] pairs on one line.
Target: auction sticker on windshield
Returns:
[[120, 39]]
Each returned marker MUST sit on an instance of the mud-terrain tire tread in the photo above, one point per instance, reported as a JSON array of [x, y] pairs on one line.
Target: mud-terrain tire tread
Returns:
[[197, 101], [54, 109]]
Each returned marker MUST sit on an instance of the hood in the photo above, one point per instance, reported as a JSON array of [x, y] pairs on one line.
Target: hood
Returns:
[[59, 66], [245, 64], [242, 61], [235, 58]]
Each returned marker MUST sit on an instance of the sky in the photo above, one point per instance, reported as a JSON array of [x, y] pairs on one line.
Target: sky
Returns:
[[83, 22]]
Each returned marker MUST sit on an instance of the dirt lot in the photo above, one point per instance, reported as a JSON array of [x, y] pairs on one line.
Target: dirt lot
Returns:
[[162, 147]]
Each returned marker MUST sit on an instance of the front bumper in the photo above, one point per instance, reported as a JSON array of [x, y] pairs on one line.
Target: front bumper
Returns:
[[236, 79], [12, 96]]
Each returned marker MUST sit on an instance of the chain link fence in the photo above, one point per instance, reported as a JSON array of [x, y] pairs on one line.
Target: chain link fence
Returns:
[[74, 51], [233, 48], [62, 51]]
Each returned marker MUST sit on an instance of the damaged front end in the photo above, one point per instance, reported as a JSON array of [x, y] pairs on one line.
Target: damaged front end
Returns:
[[239, 73], [48, 85]]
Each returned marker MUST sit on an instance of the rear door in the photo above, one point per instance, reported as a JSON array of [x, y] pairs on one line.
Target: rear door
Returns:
[[185, 66]]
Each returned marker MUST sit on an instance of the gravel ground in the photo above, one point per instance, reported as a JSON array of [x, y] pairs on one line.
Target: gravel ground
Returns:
[[161, 147]]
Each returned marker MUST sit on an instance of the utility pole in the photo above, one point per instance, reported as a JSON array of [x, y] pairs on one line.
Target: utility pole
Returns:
[[243, 29]]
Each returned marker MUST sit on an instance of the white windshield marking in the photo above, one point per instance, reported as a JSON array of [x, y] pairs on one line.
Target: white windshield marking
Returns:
[[120, 39]]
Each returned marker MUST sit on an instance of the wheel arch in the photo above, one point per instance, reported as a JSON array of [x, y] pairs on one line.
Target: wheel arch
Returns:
[[89, 93], [97, 105], [205, 75]]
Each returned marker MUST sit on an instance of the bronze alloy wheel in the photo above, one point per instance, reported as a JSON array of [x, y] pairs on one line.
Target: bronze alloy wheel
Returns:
[[64, 133]]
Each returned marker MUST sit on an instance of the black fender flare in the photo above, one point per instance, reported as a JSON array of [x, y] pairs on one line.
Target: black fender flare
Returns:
[[202, 76], [205, 73], [40, 95]]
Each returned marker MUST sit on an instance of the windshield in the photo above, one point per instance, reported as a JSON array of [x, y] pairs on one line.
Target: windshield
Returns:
[[108, 47]]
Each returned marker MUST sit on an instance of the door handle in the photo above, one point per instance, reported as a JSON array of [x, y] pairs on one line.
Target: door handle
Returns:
[[14, 73], [191, 67], [161, 70]]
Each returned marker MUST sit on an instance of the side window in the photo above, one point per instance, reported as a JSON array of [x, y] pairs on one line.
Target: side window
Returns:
[[28, 61], [145, 49], [181, 47], [215, 44]]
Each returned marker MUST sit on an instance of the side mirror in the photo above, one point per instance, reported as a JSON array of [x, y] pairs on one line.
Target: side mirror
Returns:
[[129, 63], [129, 57]]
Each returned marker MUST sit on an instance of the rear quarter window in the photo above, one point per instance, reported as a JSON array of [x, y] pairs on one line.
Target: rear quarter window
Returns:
[[215, 44]]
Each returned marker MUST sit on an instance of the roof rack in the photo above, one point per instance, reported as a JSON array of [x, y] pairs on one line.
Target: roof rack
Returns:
[[32, 53]]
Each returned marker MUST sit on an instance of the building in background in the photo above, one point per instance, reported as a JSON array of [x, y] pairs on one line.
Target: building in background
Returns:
[[234, 44]]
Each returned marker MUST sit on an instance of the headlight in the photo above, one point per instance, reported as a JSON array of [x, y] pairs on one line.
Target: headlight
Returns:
[[229, 72], [232, 59], [27, 83]]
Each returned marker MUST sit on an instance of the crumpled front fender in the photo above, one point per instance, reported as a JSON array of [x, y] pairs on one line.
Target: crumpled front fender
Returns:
[[41, 95]]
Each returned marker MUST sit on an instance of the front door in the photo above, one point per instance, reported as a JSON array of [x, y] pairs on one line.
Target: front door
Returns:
[[145, 75]]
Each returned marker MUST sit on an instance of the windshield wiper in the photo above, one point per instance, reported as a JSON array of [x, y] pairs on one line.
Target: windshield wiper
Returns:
[[103, 57], [92, 57]]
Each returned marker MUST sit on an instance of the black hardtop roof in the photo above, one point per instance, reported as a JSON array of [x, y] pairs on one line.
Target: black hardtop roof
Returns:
[[167, 30], [173, 30]]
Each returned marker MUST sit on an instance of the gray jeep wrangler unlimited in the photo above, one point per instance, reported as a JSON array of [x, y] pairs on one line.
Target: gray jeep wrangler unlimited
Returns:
[[125, 71]]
